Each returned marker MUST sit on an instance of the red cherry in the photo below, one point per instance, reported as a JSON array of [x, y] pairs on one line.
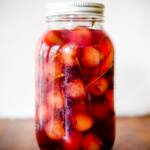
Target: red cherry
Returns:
[[92, 142], [55, 129], [91, 57], [73, 141], [106, 48], [55, 99], [53, 70], [52, 38], [82, 122], [98, 86], [81, 36], [75, 89], [100, 111], [69, 54], [107, 63]]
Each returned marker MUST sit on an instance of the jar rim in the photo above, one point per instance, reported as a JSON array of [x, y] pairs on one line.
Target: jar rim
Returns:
[[74, 8]]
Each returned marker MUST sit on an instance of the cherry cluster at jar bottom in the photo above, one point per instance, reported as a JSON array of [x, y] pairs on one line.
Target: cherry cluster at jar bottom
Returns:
[[74, 90]]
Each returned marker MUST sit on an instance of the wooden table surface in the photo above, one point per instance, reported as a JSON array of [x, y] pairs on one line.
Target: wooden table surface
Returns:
[[132, 134]]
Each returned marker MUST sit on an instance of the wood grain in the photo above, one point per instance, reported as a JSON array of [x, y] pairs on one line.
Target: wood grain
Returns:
[[131, 134]]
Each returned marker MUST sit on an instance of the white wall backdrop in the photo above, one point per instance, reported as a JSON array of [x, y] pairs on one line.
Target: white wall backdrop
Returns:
[[21, 24]]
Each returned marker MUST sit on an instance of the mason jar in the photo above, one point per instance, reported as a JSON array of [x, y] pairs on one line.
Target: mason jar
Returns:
[[75, 80]]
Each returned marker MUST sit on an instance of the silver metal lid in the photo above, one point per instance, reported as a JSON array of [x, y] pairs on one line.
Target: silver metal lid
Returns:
[[74, 7]]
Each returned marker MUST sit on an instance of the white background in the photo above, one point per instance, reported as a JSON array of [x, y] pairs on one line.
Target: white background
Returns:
[[21, 24]]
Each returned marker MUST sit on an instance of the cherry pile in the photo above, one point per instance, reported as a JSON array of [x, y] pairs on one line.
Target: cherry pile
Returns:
[[74, 90]]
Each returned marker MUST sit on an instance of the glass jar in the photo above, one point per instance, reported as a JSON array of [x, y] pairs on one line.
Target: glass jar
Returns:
[[74, 80]]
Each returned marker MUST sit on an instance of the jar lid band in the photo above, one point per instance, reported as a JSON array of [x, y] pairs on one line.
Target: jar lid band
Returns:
[[74, 7]]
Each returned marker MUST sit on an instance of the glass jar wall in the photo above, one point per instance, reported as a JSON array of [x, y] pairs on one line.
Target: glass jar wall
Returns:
[[74, 84]]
